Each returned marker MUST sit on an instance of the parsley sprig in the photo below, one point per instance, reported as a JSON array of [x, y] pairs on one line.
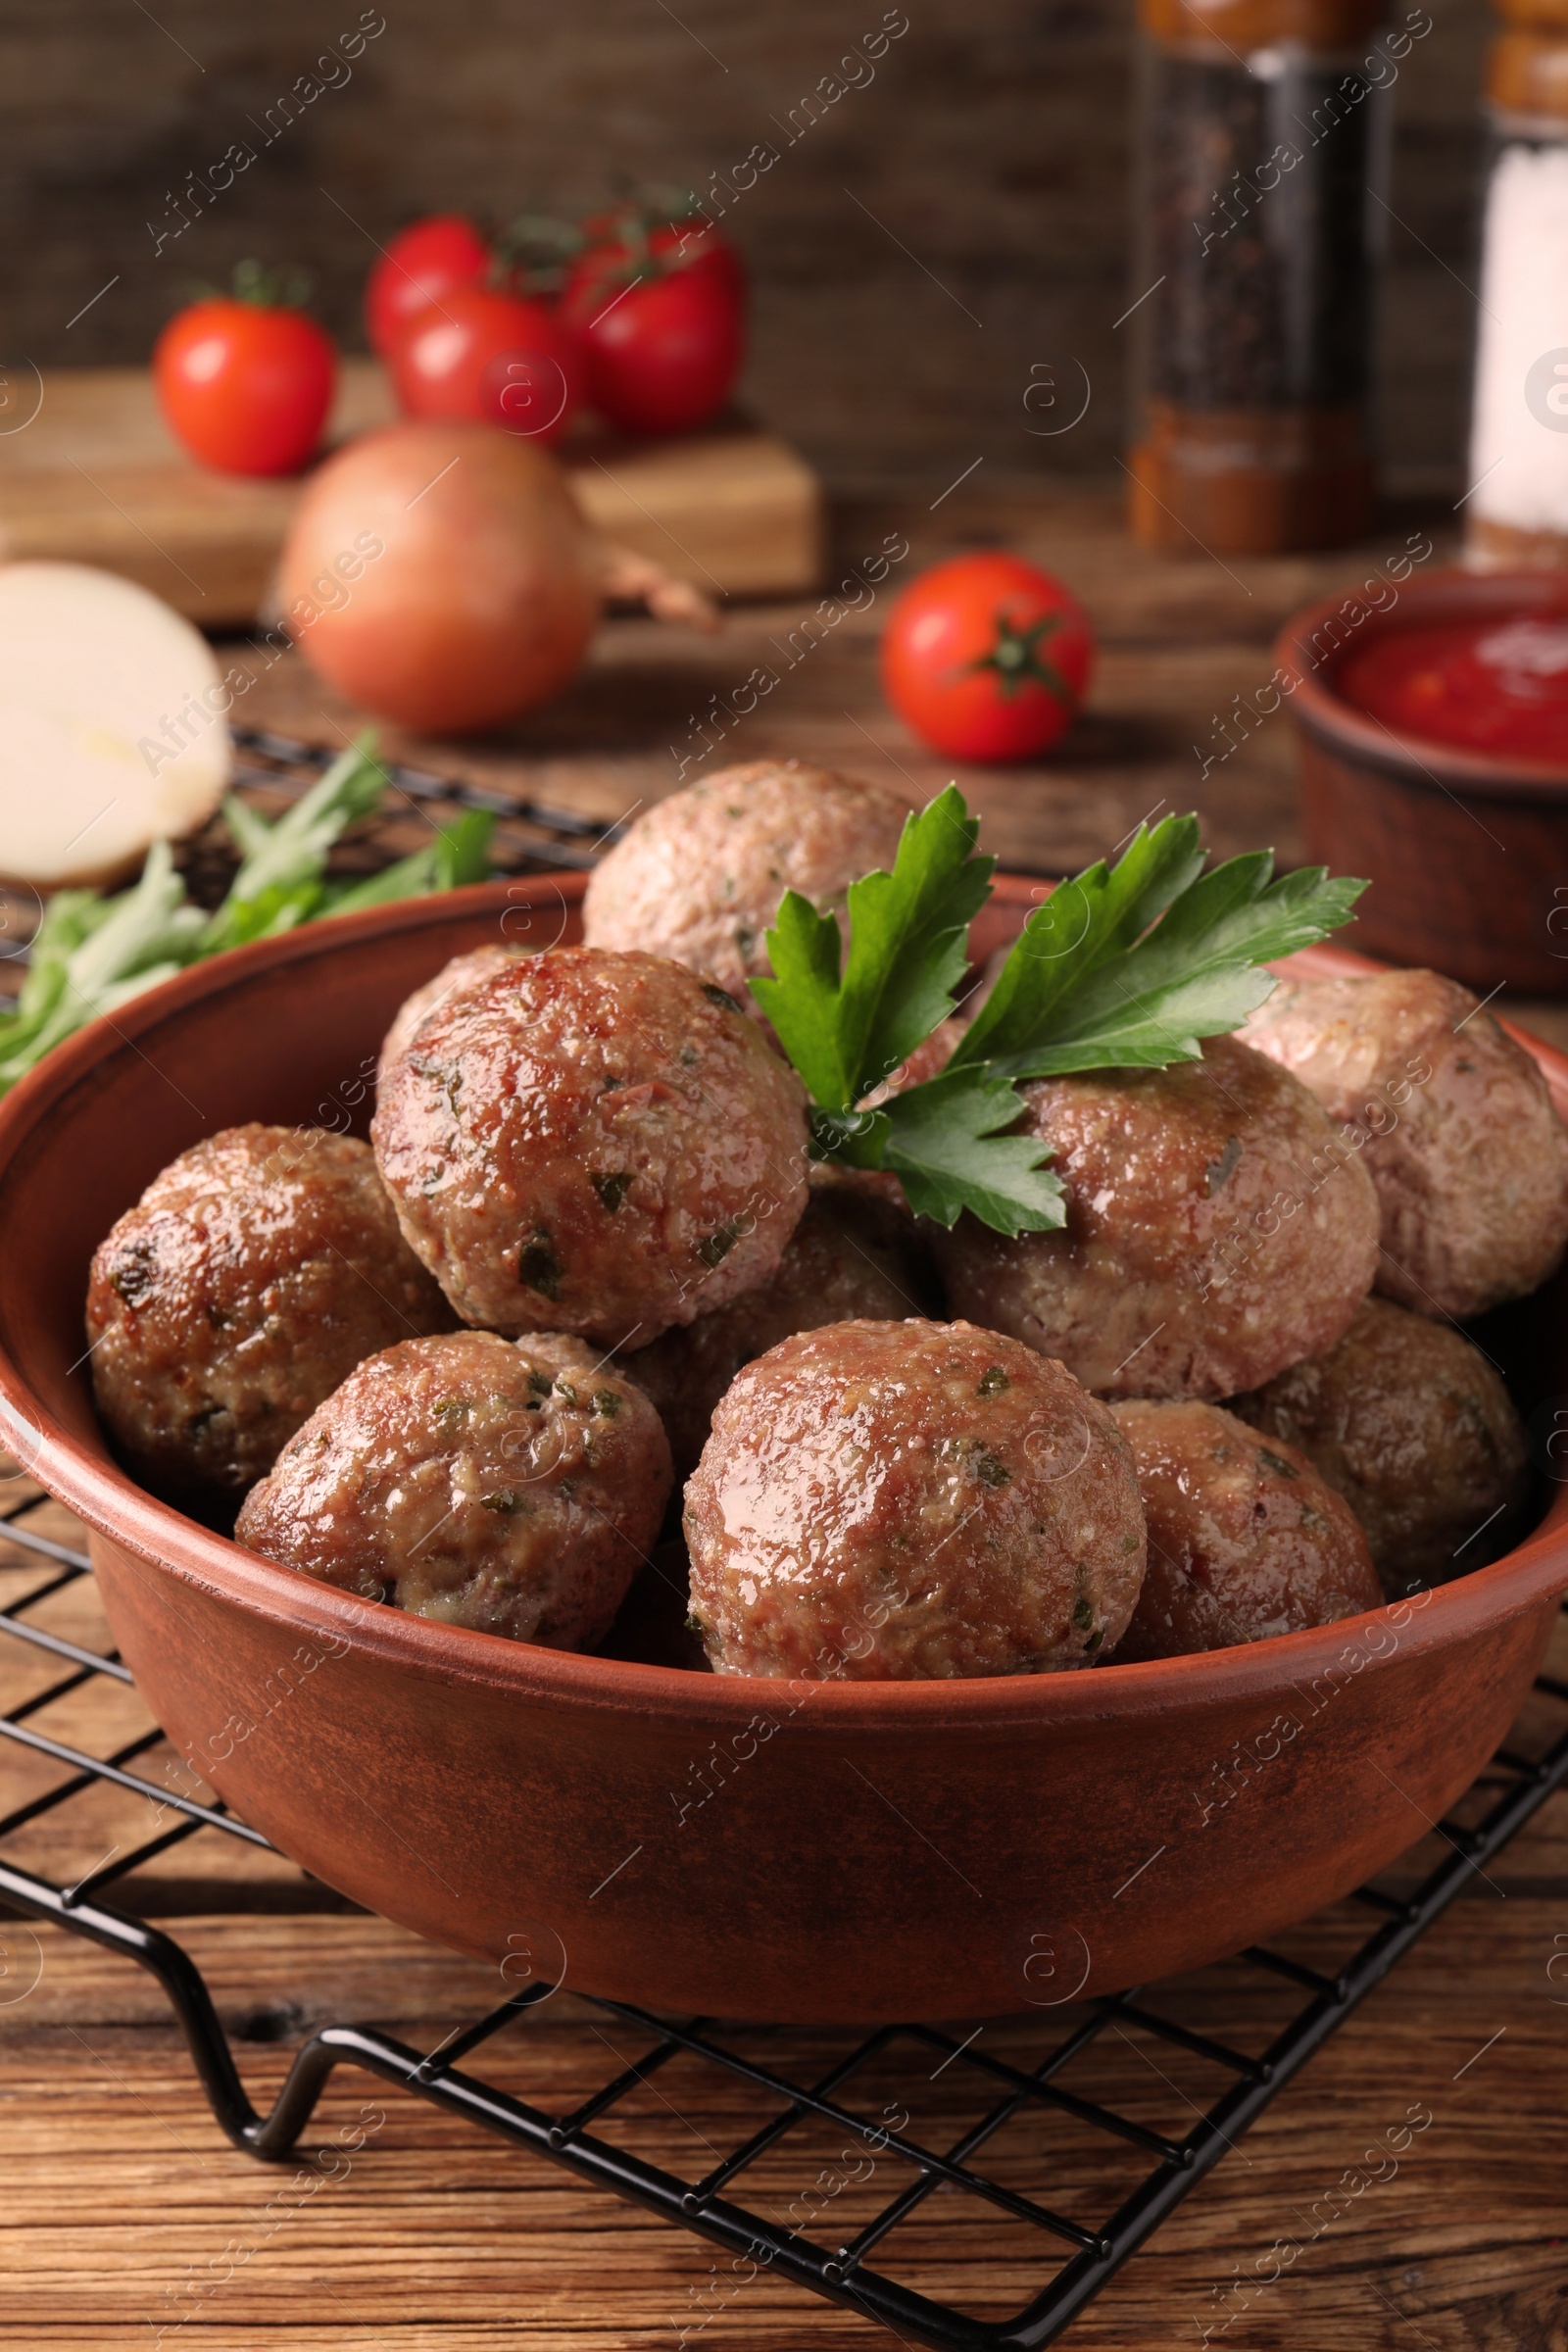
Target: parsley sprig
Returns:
[[1125, 967]]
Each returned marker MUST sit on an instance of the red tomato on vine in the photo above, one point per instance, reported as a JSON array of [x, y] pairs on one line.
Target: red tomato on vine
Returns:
[[987, 658], [421, 265], [245, 380], [490, 359], [661, 315]]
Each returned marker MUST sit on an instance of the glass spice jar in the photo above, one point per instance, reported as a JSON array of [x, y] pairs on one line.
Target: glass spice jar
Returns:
[[1263, 148], [1517, 505]]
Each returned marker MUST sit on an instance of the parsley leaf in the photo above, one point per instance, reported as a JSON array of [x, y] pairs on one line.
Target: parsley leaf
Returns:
[[944, 1141], [1123, 966], [847, 1021], [1133, 966]]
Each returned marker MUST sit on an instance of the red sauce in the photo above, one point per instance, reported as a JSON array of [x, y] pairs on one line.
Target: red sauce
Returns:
[[1496, 685]]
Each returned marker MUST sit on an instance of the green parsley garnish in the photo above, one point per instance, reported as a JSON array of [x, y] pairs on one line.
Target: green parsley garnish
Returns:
[[1127, 966], [715, 1246], [538, 1267]]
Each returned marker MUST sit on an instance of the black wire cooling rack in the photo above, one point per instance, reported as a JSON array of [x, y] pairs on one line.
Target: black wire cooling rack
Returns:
[[1072, 2257], [270, 767]]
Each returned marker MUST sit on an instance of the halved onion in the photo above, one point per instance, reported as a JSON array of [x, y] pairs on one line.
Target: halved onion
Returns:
[[113, 732]]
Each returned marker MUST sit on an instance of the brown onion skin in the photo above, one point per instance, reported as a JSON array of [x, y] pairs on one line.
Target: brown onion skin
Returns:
[[483, 597]]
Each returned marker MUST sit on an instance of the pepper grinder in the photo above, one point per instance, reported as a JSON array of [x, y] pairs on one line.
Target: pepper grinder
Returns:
[[1262, 147]]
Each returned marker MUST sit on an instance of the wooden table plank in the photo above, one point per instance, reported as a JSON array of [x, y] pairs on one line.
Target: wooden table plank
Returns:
[[120, 2188]]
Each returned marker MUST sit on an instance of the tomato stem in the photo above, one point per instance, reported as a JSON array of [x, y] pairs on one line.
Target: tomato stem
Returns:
[[272, 287], [1017, 661]]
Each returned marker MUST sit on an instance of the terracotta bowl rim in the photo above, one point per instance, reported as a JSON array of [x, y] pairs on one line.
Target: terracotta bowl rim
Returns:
[[1416, 759], [90, 1484]]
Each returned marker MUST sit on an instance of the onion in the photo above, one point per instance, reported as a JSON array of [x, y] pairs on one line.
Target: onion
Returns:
[[111, 720], [441, 575]]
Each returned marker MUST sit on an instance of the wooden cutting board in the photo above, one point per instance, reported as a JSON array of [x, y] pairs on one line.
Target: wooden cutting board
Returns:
[[89, 473]]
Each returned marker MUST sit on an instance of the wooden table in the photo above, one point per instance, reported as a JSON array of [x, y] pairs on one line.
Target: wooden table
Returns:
[[119, 2186]]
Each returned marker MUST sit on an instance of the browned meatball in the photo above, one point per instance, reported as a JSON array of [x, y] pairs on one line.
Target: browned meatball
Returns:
[[1216, 1229], [250, 1278], [884, 1502], [449, 981], [597, 1143], [1244, 1539], [1454, 1121], [851, 1254], [1409, 1422], [699, 876], [514, 1488]]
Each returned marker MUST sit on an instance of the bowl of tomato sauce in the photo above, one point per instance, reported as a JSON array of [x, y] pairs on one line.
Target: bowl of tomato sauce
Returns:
[[1434, 759]]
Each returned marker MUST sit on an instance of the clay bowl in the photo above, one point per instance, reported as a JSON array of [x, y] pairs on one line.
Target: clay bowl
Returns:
[[796, 1852], [1467, 854]]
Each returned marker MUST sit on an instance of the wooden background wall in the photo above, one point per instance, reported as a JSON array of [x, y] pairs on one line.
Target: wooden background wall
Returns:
[[957, 221]]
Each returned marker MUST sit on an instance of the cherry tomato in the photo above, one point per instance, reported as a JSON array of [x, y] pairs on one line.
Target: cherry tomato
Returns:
[[663, 322], [246, 385], [423, 264], [490, 358], [987, 658]]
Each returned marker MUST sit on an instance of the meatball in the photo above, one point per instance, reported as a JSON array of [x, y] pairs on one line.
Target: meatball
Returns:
[[592, 1143], [1244, 1539], [450, 981], [511, 1487], [1453, 1121], [251, 1277], [1409, 1422], [701, 875], [851, 1254], [1217, 1230], [884, 1502]]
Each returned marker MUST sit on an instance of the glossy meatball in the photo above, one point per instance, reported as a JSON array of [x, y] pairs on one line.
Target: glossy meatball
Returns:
[[851, 1254], [589, 1141], [1455, 1125], [885, 1501], [1216, 1229], [699, 876], [511, 1487], [450, 981], [250, 1278], [1244, 1539], [1409, 1422]]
